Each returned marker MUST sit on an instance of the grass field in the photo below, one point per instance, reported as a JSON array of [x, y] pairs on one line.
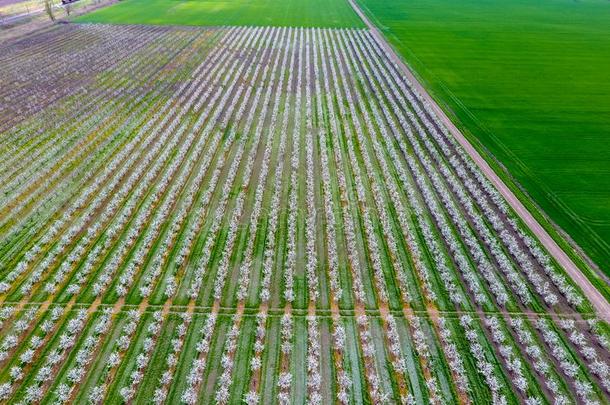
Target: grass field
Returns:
[[296, 13], [530, 80]]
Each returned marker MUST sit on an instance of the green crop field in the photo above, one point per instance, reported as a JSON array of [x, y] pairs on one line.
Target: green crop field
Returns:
[[531, 81], [297, 13]]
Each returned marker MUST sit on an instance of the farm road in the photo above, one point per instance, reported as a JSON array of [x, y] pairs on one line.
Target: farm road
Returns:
[[9, 2], [597, 299]]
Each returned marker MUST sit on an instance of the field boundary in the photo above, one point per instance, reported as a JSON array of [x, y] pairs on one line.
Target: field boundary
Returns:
[[593, 294]]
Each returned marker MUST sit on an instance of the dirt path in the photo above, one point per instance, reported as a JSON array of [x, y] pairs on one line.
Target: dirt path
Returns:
[[26, 24], [597, 299], [4, 3]]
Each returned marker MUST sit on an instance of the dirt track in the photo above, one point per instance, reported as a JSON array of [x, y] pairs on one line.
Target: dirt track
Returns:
[[9, 2], [600, 304]]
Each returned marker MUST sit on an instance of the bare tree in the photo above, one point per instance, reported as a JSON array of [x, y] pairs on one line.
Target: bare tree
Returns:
[[48, 7]]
